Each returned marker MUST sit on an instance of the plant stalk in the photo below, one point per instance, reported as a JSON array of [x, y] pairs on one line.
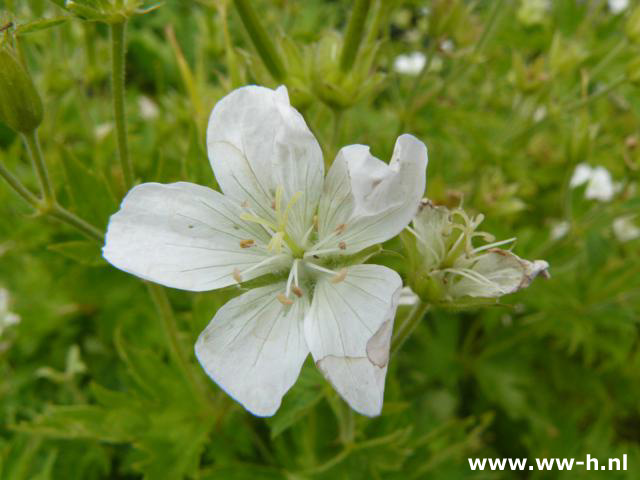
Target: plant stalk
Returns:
[[117, 93], [353, 35], [40, 166], [408, 325], [261, 40]]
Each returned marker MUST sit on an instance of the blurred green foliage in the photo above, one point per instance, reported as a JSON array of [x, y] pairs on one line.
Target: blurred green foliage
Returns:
[[513, 95]]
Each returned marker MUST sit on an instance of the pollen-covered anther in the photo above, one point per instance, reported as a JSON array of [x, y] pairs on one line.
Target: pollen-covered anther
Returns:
[[297, 291], [247, 243], [283, 299], [342, 245], [340, 276], [341, 228], [236, 275]]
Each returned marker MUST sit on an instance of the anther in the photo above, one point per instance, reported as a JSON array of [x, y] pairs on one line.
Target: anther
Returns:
[[247, 243], [297, 291], [341, 228], [236, 275], [342, 245], [340, 276], [283, 299], [245, 204]]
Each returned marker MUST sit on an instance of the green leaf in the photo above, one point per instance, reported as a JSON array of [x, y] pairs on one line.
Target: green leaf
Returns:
[[39, 25]]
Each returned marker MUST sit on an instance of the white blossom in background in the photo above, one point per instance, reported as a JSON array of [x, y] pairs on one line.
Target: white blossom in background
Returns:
[[148, 108], [456, 268], [278, 214], [618, 6], [600, 185], [559, 229], [102, 130], [533, 12], [7, 317], [625, 229], [410, 63]]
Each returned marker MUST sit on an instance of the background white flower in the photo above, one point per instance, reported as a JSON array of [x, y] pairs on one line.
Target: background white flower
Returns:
[[625, 229], [7, 317], [618, 6], [278, 215], [600, 185], [410, 63]]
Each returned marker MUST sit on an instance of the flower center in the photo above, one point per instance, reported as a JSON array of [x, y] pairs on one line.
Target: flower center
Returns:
[[277, 228]]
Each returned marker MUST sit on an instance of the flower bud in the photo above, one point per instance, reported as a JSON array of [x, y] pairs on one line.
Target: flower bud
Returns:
[[20, 104]]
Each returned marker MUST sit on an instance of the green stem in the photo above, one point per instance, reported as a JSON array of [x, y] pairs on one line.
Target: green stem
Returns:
[[18, 187], [408, 325], [117, 93], [159, 296], [353, 36], [65, 216], [603, 91], [39, 165], [261, 40]]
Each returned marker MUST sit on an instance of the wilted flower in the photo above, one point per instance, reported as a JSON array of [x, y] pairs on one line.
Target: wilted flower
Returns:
[[410, 63], [598, 179], [279, 217], [452, 268]]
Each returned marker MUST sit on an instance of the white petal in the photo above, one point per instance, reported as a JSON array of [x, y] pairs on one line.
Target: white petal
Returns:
[[581, 174], [369, 201], [600, 186], [254, 348], [348, 330], [258, 142], [184, 236], [495, 273]]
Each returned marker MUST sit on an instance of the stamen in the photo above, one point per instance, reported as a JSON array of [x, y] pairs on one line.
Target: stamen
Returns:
[[314, 253], [341, 228], [342, 245], [493, 245], [319, 268], [276, 242], [292, 275], [236, 275], [283, 299], [292, 201], [340, 276], [247, 243], [297, 291], [305, 239], [248, 217]]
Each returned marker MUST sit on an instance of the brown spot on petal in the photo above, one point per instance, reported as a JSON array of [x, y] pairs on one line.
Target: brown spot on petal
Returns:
[[342, 245]]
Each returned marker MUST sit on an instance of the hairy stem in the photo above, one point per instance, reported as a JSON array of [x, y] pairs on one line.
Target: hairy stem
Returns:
[[261, 39], [40, 166], [353, 35], [117, 93]]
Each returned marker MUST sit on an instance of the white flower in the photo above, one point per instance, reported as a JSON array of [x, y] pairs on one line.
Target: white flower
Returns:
[[600, 186], [625, 229], [278, 215], [559, 229], [410, 63], [148, 108], [618, 6], [7, 317], [454, 268]]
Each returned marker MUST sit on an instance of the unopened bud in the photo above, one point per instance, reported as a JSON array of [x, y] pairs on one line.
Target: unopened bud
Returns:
[[20, 104]]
